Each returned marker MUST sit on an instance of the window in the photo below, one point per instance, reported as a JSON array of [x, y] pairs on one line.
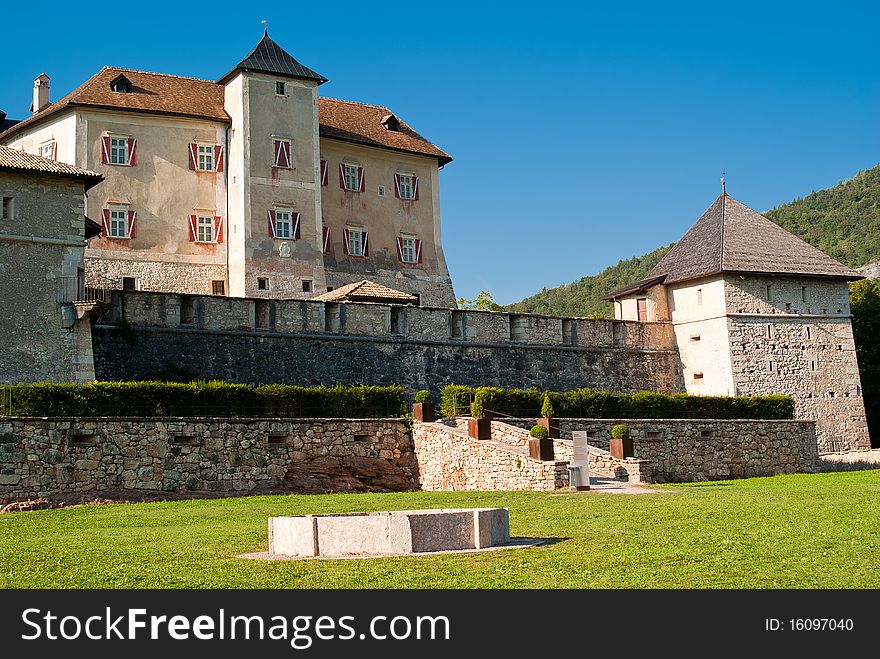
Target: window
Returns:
[[118, 151], [262, 284], [47, 150], [699, 297], [769, 291], [281, 149], [307, 285], [280, 88], [205, 229], [118, 222], [5, 208], [355, 242], [809, 332], [282, 224], [698, 375], [805, 294], [381, 190], [121, 85], [351, 177], [206, 157], [695, 337], [642, 309], [406, 186], [129, 284], [409, 249], [218, 287]]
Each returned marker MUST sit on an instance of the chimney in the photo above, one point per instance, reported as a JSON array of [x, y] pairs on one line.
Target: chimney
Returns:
[[41, 93]]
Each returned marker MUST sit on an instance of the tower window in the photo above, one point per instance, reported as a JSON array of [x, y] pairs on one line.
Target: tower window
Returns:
[[307, 285], [769, 291], [262, 283], [280, 88], [5, 208], [699, 297]]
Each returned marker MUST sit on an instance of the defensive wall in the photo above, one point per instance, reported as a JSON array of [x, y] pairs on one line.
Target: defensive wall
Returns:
[[307, 343]]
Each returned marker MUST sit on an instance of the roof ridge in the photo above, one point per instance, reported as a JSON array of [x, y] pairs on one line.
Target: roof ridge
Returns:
[[723, 217], [342, 100], [156, 73]]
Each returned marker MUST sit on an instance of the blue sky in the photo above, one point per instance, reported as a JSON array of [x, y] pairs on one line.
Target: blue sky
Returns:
[[582, 134]]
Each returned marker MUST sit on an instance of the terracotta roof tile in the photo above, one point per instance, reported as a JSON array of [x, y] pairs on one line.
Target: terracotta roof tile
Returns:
[[203, 99], [19, 161], [366, 291]]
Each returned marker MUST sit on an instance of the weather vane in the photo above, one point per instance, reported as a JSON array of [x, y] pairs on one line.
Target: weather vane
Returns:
[[265, 26], [723, 186]]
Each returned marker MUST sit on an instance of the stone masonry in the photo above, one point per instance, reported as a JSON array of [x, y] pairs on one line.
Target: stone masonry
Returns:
[[54, 457]]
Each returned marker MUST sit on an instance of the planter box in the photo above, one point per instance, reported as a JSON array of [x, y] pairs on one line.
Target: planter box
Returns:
[[552, 426], [480, 428], [622, 448], [424, 412], [540, 449]]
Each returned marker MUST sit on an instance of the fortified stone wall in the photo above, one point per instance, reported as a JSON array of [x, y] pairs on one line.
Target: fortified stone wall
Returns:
[[58, 457], [706, 449], [450, 460], [307, 343], [183, 277]]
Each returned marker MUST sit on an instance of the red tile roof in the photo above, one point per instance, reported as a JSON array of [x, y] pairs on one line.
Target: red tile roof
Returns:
[[12, 160], [366, 291], [159, 93]]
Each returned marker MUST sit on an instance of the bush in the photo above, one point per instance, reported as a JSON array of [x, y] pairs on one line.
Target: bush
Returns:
[[455, 400], [620, 431], [540, 432], [600, 404], [211, 399], [423, 396], [547, 410]]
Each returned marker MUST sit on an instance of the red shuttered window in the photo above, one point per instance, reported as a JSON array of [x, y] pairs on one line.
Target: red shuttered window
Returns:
[[409, 249], [406, 187], [355, 242], [325, 173], [351, 177], [282, 153]]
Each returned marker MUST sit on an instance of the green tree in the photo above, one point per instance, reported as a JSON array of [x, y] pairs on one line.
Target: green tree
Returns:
[[864, 299], [484, 301]]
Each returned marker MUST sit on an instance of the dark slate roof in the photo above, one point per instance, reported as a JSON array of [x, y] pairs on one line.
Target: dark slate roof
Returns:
[[731, 237], [269, 57], [638, 287]]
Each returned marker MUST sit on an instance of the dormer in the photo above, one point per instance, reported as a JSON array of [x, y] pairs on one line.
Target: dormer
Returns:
[[121, 85], [391, 123]]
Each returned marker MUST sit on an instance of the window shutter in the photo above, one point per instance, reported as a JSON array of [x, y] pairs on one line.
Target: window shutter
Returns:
[[326, 232], [105, 222], [271, 223], [132, 151], [105, 150], [193, 232], [218, 228], [397, 188], [132, 224], [415, 183], [361, 181], [418, 250], [296, 226], [342, 175], [218, 158], [324, 173], [277, 148], [345, 241], [193, 156], [54, 150], [399, 243], [366, 246], [285, 148]]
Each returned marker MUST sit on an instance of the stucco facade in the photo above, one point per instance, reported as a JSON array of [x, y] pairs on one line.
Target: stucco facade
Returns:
[[249, 223]]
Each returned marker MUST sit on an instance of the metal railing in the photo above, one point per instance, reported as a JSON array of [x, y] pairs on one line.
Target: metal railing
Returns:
[[72, 289]]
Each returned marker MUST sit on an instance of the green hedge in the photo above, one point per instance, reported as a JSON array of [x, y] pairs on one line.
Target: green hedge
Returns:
[[599, 404], [213, 399]]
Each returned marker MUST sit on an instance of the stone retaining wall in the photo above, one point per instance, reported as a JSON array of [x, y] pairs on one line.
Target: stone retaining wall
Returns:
[[450, 460], [42, 457], [706, 449]]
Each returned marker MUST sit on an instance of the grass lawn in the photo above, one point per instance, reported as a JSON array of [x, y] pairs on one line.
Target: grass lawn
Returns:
[[800, 531]]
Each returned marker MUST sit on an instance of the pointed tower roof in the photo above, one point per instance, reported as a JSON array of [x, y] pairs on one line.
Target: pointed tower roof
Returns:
[[731, 237], [269, 57]]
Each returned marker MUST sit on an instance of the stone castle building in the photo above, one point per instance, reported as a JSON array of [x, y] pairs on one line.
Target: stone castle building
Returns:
[[43, 233], [252, 185], [756, 310]]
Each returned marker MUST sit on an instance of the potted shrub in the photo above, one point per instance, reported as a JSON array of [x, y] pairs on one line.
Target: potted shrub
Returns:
[[423, 409], [479, 425], [540, 444], [621, 443], [548, 418]]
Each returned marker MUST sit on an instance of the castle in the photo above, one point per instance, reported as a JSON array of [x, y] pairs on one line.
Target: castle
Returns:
[[235, 254], [252, 185]]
